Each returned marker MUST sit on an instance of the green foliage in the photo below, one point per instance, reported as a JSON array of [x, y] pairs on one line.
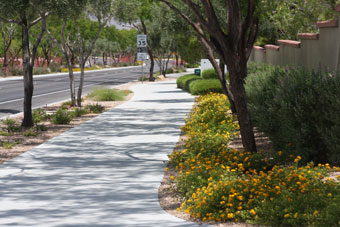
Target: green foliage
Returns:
[[209, 74], [31, 132], [40, 70], [183, 82], [95, 108], [192, 65], [284, 19], [78, 112], [298, 110], [39, 115], [55, 67], [202, 87], [61, 117], [222, 184], [259, 67], [107, 95], [12, 125], [8, 144], [16, 71]]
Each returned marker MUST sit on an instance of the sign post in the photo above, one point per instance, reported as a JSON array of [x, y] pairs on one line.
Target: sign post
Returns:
[[142, 44]]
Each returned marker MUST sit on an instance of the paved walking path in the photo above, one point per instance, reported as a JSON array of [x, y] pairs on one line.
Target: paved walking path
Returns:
[[105, 172]]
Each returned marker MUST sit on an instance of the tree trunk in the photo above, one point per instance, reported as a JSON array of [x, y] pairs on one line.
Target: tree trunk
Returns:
[[177, 60], [81, 82], [243, 116], [28, 78], [224, 87], [71, 76], [152, 60], [5, 59]]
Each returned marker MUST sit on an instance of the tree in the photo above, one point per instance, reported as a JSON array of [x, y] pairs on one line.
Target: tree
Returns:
[[8, 32], [137, 12], [67, 10], [26, 14], [232, 37], [102, 11], [284, 19]]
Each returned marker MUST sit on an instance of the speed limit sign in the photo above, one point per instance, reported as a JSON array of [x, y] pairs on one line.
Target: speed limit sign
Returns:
[[141, 41]]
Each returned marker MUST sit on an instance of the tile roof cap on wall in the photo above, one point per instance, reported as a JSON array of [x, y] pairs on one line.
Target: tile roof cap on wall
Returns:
[[311, 36], [291, 43], [272, 47]]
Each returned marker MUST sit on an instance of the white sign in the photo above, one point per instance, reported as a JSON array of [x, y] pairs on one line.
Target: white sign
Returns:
[[141, 41], [206, 64], [142, 56]]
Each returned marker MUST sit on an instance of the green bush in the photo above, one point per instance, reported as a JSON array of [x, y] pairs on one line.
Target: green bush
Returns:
[[209, 74], [61, 117], [95, 108], [259, 67], [202, 87], [12, 125], [78, 112], [55, 67], [16, 71], [40, 70], [196, 65], [183, 82], [107, 95], [222, 184], [39, 115], [298, 110]]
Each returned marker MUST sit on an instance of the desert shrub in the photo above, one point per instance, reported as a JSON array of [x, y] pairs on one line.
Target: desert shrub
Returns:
[[105, 94], [11, 125], [209, 74], [170, 70], [183, 82], [40, 70], [8, 144], [222, 184], [259, 67], [96, 108], [31, 132], [16, 71], [39, 115], [61, 117], [298, 110], [78, 112], [55, 67], [202, 87], [196, 65]]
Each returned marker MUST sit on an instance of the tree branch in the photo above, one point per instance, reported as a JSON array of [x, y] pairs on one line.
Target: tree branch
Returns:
[[36, 44], [195, 26], [9, 20]]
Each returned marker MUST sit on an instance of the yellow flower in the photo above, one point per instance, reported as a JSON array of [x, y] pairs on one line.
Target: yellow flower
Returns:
[[172, 178], [286, 216], [296, 215], [166, 169], [230, 215], [253, 212], [315, 212]]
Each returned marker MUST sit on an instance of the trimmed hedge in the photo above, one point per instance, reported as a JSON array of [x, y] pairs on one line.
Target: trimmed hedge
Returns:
[[183, 82], [202, 87], [209, 74], [298, 110]]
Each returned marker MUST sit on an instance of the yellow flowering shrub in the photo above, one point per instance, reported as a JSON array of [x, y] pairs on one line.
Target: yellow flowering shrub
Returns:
[[222, 184]]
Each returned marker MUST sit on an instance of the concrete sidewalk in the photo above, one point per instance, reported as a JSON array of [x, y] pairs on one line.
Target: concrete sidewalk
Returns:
[[105, 172]]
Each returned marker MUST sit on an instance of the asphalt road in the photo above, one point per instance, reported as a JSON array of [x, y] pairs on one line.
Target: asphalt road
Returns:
[[54, 88]]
